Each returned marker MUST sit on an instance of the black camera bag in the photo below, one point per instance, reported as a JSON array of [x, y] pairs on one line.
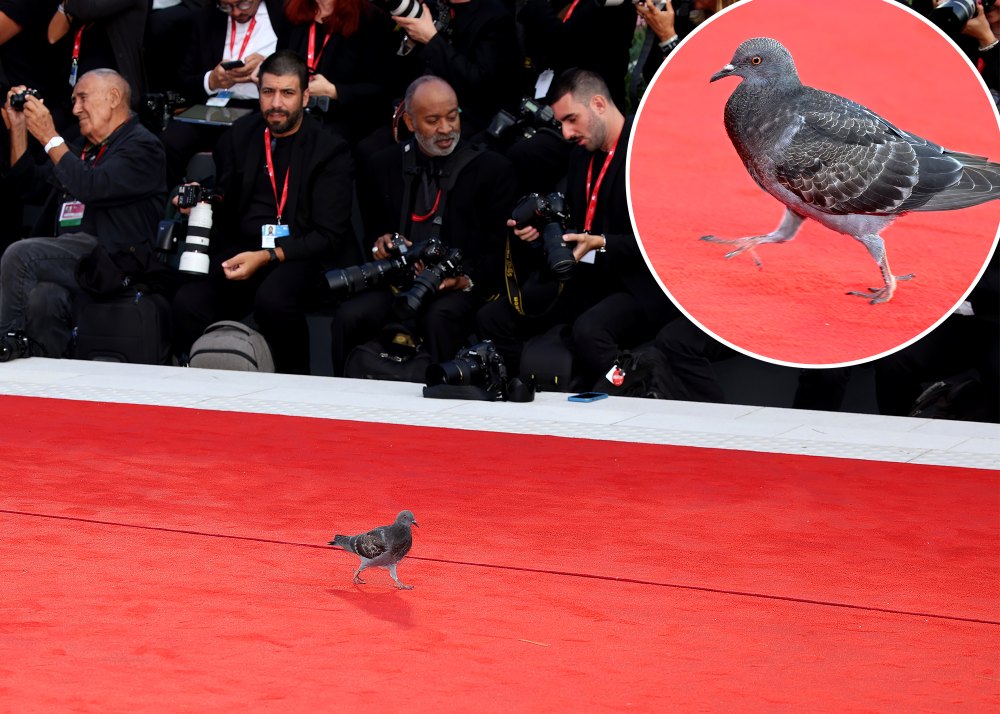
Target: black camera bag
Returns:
[[547, 361], [133, 328], [372, 361]]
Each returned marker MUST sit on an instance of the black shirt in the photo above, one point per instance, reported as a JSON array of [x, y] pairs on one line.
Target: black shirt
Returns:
[[263, 207]]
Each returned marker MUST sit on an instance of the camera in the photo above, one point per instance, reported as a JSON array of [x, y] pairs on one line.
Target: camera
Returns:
[[439, 263], [191, 195], [199, 199], [477, 366], [477, 372], [367, 275], [17, 100], [412, 9], [156, 109], [549, 215], [952, 15], [14, 345], [532, 117]]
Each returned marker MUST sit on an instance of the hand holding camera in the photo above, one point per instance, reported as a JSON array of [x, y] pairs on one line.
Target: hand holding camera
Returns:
[[659, 17], [420, 28], [25, 108]]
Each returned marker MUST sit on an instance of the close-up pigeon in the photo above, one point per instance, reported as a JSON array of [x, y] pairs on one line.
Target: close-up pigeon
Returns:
[[381, 547], [830, 159]]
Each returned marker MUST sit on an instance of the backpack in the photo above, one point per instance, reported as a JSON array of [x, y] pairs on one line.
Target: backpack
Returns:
[[395, 356], [646, 374], [231, 345], [133, 328]]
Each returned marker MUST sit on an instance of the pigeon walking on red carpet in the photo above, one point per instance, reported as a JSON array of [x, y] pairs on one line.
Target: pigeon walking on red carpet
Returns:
[[830, 159], [381, 547]]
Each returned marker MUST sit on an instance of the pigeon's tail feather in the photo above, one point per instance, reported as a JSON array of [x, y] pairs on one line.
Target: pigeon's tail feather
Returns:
[[342, 541], [979, 183]]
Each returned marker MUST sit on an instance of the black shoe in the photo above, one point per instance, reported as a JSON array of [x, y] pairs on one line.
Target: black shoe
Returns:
[[14, 345]]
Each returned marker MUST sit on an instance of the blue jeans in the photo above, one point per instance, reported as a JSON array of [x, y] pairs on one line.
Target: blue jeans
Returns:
[[37, 284]]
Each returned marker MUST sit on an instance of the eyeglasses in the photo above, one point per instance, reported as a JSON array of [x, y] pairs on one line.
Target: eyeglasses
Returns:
[[230, 9]]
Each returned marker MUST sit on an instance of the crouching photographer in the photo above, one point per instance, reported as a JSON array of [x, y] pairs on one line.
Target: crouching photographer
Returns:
[[590, 272], [450, 200]]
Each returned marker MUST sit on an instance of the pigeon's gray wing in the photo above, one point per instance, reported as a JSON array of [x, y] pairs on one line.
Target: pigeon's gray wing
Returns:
[[844, 158], [371, 544]]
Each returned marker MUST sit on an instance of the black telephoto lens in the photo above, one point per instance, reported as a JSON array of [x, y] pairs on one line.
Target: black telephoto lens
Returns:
[[951, 16]]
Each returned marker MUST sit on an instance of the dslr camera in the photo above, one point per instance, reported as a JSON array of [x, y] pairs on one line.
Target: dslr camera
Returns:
[[17, 100], [532, 117], [952, 15], [194, 259], [549, 215], [477, 372]]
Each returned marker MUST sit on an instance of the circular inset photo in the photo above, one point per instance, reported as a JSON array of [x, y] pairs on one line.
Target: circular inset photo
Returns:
[[812, 182]]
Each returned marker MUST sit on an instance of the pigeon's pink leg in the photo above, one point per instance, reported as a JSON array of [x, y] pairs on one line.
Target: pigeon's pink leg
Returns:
[[785, 231], [876, 247]]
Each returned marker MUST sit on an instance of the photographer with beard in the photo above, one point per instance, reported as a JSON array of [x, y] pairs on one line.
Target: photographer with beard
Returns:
[[285, 217], [436, 184], [612, 302]]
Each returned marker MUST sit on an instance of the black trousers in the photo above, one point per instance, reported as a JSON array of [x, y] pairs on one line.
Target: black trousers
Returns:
[[960, 343], [444, 323], [599, 330], [278, 296]]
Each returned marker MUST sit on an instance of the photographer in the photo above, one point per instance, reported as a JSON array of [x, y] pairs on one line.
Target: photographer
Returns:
[[613, 302], [476, 53], [106, 189], [285, 216], [434, 185]]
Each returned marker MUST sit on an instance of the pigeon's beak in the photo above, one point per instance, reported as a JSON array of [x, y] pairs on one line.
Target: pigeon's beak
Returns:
[[724, 72], [416, 524]]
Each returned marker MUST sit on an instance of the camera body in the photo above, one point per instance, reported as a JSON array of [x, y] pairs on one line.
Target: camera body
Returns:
[[550, 216], [17, 100], [191, 195], [156, 109], [532, 116], [477, 366], [952, 15], [14, 345]]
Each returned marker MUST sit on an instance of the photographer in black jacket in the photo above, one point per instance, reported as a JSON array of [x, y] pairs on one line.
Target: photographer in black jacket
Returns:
[[285, 217], [435, 185], [106, 189], [611, 299]]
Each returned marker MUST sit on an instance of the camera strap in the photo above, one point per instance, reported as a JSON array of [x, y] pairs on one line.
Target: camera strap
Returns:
[[514, 294]]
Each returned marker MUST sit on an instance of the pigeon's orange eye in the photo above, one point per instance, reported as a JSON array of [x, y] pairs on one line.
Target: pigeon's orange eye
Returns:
[[755, 60]]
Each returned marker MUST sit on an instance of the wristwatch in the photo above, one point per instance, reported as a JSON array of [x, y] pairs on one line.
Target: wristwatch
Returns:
[[53, 143], [272, 255]]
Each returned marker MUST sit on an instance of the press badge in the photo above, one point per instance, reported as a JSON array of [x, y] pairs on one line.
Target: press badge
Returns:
[[71, 214], [220, 99], [270, 231]]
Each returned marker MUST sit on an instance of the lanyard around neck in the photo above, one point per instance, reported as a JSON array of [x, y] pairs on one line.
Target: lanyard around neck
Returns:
[[312, 59], [246, 38], [270, 172], [592, 196]]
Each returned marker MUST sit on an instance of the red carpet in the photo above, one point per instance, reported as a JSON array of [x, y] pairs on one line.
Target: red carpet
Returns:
[[686, 180], [160, 559]]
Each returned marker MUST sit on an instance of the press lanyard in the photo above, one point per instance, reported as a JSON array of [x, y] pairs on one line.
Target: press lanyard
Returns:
[[77, 41], [592, 197], [246, 38], [312, 48], [421, 219], [83, 154], [570, 11], [270, 173]]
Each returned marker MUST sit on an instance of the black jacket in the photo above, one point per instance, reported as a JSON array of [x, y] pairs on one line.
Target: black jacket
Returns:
[[359, 66], [124, 191], [125, 23], [595, 37], [320, 183], [475, 210], [477, 55]]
